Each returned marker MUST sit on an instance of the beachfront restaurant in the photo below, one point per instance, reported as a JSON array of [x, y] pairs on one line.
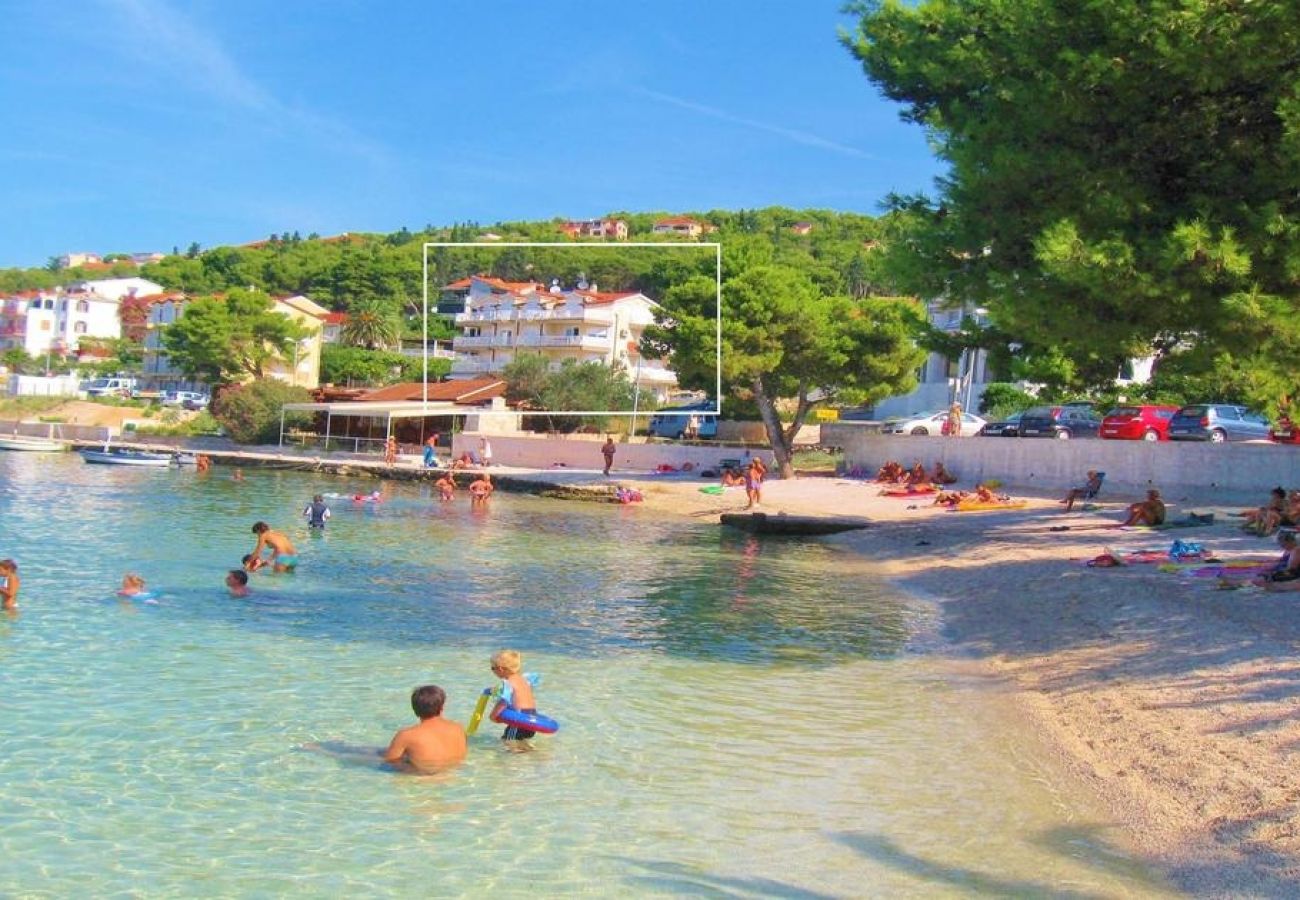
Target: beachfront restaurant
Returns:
[[362, 421]]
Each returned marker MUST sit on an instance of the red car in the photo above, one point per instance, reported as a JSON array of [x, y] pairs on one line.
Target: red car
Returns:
[[1285, 432], [1138, 423]]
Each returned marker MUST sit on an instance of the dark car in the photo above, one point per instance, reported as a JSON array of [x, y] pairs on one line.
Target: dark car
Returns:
[[1138, 423], [1217, 423], [1008, 427], [1073, 420]]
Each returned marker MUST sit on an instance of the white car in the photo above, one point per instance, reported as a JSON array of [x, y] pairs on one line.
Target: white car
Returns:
[[932, 423], [186, 399]]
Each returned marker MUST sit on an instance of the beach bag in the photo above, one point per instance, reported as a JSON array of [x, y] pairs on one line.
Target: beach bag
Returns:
[[1181, 550]]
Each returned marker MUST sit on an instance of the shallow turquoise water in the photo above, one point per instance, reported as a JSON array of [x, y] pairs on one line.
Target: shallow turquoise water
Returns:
[[739, 718]]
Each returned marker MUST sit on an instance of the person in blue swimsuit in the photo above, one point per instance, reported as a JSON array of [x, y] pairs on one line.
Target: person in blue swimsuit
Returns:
[[316, 512]]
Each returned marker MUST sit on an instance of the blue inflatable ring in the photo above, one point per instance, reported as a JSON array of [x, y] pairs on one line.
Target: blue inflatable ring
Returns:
[[529, 721]]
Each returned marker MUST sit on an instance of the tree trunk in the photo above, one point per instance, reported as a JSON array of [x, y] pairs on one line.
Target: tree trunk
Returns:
[[775, 436]]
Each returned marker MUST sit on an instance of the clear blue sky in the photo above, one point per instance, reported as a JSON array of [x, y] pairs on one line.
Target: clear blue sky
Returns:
[[135, 125]]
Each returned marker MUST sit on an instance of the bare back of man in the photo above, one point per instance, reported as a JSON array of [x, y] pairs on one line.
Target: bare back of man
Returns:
[[428, 746]]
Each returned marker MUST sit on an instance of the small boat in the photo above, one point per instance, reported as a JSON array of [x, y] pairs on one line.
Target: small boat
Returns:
[[762, 523], [40, 445], [122, 457]]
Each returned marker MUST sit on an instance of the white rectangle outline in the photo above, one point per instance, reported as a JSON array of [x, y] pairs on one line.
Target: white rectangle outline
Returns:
[[680, 245]]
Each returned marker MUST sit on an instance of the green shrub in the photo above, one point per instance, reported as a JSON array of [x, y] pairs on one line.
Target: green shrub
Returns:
[[250, 413], [200, 424], [1001, 398]]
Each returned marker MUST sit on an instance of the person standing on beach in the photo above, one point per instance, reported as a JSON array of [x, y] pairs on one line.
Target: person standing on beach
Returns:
[[434, 742], [431, 451], [390, 451], [754, 483], [484, 451], [9, 587], [954, 420], [608, 452], [284, 557]]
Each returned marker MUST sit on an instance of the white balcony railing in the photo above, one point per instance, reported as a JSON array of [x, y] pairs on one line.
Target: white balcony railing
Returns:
[[483, 340], [583, 341], [462, 365], [601, 316]]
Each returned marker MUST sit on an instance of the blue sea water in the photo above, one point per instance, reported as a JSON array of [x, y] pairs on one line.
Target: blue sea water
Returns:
[[738, 717]]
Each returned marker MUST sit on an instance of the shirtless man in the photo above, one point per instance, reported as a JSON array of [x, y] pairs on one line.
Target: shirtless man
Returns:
[[432, 744], [284, 556], [446, 486], [1150, 511]]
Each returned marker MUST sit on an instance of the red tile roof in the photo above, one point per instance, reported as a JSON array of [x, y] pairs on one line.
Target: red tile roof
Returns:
[[469, 391], [335, 318], [679, 220]]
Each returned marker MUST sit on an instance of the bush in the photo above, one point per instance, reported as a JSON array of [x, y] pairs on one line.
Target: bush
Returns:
[[172, 426], [250, 413], [1001, 399]]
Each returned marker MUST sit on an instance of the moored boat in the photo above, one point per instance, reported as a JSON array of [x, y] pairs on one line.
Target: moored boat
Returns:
[[122, 457], [40, 445], [762, 523]]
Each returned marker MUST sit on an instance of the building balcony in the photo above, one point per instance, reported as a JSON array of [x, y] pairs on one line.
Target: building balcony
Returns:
[[577, 341], [600, 317], [483, 340], [653, 375], [472, 365]]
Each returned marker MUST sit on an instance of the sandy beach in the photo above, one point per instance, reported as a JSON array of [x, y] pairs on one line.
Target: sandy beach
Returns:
[[1174, 700]]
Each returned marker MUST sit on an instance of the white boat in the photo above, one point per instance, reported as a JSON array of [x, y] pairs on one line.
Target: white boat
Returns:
[[40, 445], [126, 457]]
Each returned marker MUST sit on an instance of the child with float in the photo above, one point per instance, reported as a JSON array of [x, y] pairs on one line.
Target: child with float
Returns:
[[515, 706]]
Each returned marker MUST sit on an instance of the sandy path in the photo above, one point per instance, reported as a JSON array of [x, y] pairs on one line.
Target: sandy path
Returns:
[[1176, 701]]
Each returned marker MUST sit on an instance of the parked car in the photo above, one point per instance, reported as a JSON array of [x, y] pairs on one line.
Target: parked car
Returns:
[[109, 387], [932, 423], [676, 421], [1071, 420], [1217, 423], [1285, 432], [1138, 423], [1007, 427]]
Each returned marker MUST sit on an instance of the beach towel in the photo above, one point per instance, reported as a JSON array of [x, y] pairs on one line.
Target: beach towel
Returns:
[[909, 492], [1193, 520], [981, 507], [712, 489]]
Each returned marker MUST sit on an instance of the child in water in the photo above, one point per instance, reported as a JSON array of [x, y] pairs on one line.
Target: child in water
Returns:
[[132, 585], [516, 692]]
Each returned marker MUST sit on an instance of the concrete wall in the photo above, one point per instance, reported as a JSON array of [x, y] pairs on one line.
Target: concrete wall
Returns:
[[1227, 471], [583, 452], [56, 430]]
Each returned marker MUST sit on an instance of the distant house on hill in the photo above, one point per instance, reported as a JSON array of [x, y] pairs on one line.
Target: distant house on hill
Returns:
[[596, 228], [73, 260], [682, 225], [802, 227], [55, 321]]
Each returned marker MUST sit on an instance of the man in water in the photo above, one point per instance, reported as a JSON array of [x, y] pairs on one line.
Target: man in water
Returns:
[[237, 582], [316, 512], [432, 744], [284, 556]]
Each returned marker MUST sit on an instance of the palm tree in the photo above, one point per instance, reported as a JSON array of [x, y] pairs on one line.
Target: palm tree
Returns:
[[372, 324]]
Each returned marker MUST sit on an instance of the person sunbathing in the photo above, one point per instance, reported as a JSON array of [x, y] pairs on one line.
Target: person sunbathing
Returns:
[[890, 472], [984, 494], [1286, 574], [1150, 511], [940, 475], [916, 475], [950, 498], [1085, 491], [732, 478], [1265, 520]]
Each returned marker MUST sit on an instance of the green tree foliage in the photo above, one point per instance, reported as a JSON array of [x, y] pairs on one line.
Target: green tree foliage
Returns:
[[372, 324], [1123, 179], [353, 366], [575, 386], [227, 339], [783, 338], [250, 413]]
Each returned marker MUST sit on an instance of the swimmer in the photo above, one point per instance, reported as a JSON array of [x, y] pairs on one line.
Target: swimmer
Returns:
[[283, 555], [516, 692], [434, 742], [237, 582], [132, 585], [238, 475], [316, 512], [481, 488], [9, 589], [446, 486], [372, 497], [253, 563]]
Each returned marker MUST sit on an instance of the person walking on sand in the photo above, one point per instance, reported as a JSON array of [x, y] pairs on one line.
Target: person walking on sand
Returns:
[[754, 482], [608, 452], [9, 584]]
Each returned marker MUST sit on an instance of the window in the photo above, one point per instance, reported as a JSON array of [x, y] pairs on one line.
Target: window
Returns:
[[83, 306], [473, 331], [571, 332], [79, 328], [951, 368]]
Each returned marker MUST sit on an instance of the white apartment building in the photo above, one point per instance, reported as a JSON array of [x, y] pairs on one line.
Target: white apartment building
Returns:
[[54, 321], [505, 319]]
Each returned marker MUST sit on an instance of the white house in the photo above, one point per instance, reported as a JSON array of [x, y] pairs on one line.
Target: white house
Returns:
[[596, 228], [682, 225], [503, 320], [55, 321]]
